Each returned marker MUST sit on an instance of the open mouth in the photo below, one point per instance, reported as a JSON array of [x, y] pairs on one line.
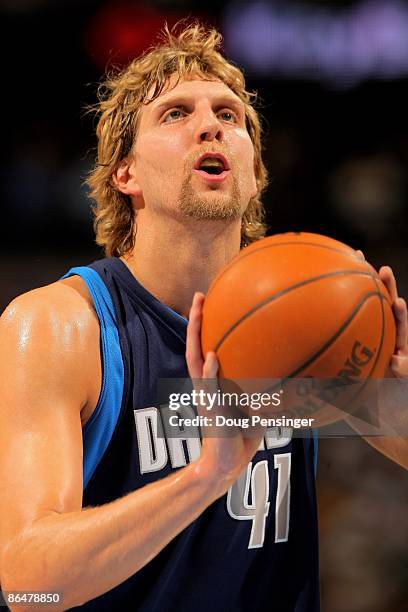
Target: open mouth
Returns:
[[212, 164]]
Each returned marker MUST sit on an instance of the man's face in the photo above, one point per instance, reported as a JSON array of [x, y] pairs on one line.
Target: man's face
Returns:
[[193, 154]]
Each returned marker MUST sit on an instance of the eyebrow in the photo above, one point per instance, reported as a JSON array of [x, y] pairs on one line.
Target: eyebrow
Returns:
[[182, 100]]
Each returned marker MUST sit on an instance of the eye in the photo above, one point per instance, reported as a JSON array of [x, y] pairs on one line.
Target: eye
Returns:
[[228, 116], [173, 115]]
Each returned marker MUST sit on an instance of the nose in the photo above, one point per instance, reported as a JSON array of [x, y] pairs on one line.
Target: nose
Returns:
[[209, 128]]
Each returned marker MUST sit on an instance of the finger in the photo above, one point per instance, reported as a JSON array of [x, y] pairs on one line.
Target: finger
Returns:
[[361, 255], [210, 369], [194, 356], [208, 383], [400, 313], [387, 276], [399, 366]]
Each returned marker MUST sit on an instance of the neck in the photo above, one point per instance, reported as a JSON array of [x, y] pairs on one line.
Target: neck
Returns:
[[174, 258]]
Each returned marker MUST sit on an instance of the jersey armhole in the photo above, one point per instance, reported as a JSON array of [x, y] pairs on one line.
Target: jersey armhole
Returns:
[[98, 430]]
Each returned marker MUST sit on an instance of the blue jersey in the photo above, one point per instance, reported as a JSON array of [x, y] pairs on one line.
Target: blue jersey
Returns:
[[253, 549]]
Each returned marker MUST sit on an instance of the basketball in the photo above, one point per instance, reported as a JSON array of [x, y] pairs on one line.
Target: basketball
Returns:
[[298, 305]]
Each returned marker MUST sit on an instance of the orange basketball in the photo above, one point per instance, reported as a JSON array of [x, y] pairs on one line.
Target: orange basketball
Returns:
[[298, 305]]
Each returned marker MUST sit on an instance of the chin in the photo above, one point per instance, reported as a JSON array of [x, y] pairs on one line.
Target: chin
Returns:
[[216, 211], [211, 205]]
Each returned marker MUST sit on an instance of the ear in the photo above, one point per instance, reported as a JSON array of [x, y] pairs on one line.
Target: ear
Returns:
[[125, 180]]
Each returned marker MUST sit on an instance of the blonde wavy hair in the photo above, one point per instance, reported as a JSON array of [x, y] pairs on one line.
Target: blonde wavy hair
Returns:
[[194, 51]]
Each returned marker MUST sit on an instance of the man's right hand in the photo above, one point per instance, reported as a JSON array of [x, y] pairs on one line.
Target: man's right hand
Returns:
[[223, 457]]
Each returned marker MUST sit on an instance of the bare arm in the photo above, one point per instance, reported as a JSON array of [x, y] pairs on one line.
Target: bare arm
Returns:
[[389, 419], [48, 543]]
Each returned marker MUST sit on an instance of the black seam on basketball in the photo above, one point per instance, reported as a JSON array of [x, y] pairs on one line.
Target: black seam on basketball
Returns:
[[279, 294], [376, 280], [382, 299], [382, 324], [340, 330], [352, 254]]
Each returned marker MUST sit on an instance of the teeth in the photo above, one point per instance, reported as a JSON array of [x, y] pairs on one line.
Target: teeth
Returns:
[[211, 162]]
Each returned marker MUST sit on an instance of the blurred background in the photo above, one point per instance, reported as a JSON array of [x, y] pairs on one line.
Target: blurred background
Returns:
[[333, 82]]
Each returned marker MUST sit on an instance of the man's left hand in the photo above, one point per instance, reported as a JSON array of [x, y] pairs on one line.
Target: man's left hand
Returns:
[[399, 361], [393, 411], [398, 366]]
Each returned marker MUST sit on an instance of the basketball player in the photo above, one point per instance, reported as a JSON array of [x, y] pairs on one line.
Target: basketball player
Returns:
[[94, 504]]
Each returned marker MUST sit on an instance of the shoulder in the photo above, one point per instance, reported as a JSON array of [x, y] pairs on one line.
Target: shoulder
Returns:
[[52, 334], [66, 302]]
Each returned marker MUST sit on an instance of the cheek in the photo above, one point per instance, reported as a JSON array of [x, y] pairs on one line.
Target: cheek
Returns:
[[158, 155], [243, 153]]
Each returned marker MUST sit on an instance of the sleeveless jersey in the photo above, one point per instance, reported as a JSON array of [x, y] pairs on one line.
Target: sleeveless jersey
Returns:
[[253, 549]]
